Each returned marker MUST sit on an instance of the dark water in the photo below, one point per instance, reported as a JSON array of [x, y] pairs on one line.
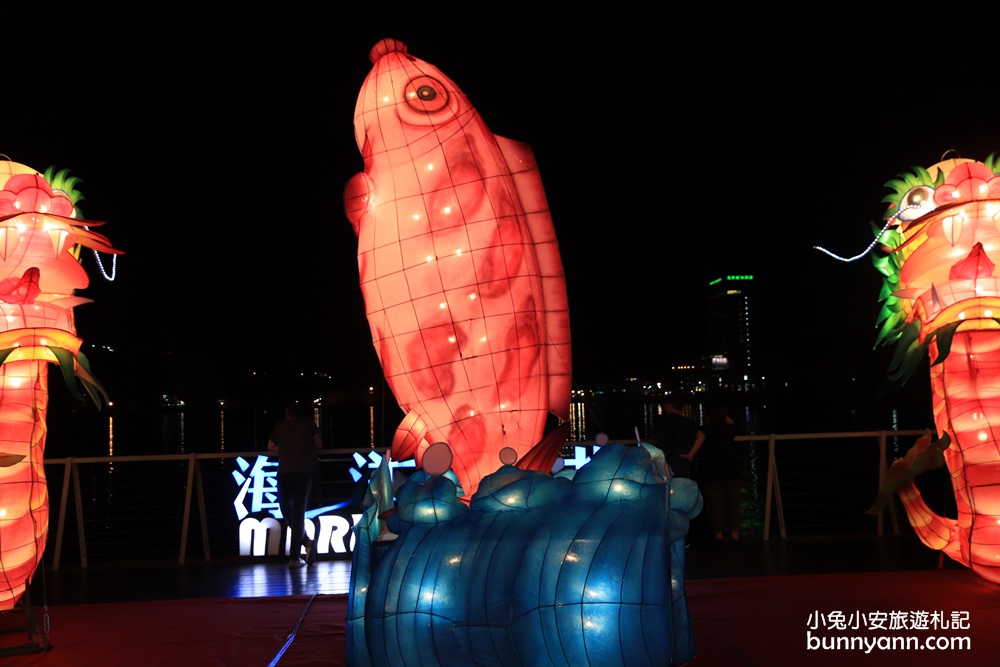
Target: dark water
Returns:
[[77, 429], [825, 485], [792, 409]]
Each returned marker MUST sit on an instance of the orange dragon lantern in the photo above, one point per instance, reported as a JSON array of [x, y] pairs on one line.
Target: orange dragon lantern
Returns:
[[938, 253], [40, 242], [460, 271]]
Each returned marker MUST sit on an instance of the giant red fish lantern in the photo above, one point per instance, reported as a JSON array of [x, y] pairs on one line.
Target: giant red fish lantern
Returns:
[[460, 271], [40, 243], [938, 253]]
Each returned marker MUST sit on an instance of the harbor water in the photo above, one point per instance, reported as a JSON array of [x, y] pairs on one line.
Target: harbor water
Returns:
[[825, 484]]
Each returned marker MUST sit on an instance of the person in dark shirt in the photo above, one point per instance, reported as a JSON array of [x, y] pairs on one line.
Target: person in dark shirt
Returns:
[[719, 474], [679, 436], [296, 440]]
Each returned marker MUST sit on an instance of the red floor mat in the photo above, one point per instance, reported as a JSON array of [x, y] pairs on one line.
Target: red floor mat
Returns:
[[737, 622], [243, 631], [765, 620]]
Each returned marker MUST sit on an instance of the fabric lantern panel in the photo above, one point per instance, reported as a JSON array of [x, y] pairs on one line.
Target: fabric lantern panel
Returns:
[[461, 275], [941, 299], [40, 269]]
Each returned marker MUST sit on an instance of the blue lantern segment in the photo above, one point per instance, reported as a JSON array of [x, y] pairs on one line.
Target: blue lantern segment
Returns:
[[537, 570]]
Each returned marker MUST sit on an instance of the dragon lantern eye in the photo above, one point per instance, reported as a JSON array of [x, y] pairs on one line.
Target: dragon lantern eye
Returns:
[[427, 94], [916, 202], [917, 196]]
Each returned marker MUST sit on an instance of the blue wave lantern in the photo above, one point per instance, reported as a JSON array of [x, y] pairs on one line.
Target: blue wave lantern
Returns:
[[536, 569]]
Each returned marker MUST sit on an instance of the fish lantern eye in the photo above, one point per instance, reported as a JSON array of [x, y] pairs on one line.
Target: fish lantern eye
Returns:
[[427, 94], [916, 202]]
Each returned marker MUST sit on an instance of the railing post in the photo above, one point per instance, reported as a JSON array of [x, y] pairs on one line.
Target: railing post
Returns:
[[78, 496], [202, 512], [60, 526], [777, 490], [185, 524], [894, 516], [773, 485], [882, 470], [880, 519], [768, 487]]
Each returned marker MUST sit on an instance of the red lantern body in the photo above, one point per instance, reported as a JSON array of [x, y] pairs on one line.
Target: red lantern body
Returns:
[[460, 271], [39, 272], [943, 300]]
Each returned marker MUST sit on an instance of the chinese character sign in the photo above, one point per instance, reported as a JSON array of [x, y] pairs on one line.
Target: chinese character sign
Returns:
[[262, 531], [258, 487], [40, 271]]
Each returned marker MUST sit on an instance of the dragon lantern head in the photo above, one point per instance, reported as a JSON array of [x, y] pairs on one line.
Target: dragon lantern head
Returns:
[[40, 240], [941, 298], [41, 237], [938, 259]]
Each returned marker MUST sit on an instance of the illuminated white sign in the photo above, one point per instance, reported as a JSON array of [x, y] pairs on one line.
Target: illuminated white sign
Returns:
[[373, 461], [261, 526], [262, 537]]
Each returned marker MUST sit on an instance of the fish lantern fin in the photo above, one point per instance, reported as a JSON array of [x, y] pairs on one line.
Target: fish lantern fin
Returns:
[[409, 438], [542, 457], [357, 193]]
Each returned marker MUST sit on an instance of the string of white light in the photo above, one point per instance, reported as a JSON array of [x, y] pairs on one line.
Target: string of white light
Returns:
[[888, 223]]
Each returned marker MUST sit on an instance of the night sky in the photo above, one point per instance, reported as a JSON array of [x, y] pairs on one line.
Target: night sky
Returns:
[[674, 147]]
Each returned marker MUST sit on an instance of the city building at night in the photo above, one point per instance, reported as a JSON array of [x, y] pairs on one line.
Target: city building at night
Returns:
[[729, 358]]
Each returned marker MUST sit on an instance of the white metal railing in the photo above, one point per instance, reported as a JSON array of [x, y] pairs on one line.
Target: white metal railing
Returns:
[[194, 492], [773, 493]]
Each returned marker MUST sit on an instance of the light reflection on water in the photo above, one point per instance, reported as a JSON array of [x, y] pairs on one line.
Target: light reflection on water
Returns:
[[578, 421], [177, 429], [222, 430]]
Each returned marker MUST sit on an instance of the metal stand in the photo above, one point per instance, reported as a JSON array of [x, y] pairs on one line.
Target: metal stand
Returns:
[[38, 639]]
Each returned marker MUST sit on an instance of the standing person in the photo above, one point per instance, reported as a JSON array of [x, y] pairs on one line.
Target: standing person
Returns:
[[679, 436], [296, 440], [719, 475]]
